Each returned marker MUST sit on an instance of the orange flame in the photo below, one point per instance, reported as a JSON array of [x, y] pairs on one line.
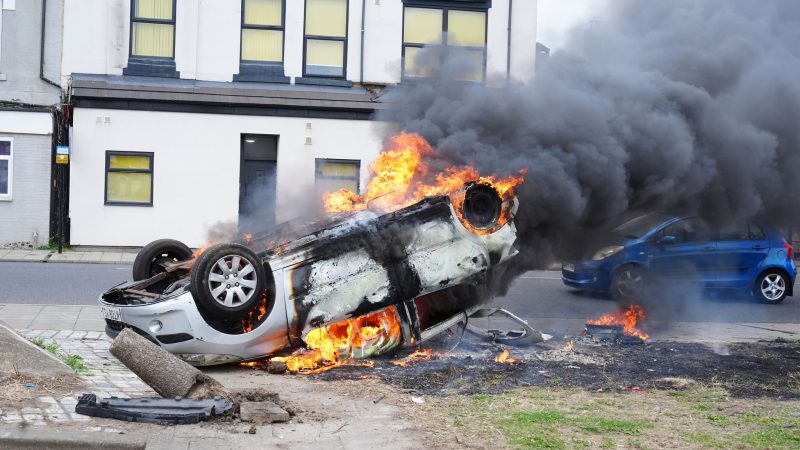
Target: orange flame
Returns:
[[505, 358], [247, 238], [569, 346], [628, 319], [199, 252], [337, 344], [400, 178], [419, 355]]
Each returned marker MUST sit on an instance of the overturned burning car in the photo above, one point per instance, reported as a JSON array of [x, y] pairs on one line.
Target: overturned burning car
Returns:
[[243, 301]]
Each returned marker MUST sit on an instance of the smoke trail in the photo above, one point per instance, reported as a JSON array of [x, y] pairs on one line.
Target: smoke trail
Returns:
[[683, 105]]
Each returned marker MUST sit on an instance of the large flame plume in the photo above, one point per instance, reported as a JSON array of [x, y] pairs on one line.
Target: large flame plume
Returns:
[[340, 343], [400, 177], [628, 318]]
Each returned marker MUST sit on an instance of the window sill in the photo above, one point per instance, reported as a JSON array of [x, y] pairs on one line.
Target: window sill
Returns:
[[128, 204], [320, 81], [6, 198], [151, 67], [261, 72]]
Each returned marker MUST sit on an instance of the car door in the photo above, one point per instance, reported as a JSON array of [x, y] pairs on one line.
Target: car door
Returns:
[[741, 248], [689, 253]]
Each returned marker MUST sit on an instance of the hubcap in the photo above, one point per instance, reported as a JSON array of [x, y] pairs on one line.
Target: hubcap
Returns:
[[629, 283], [773, 286], [232, 281]]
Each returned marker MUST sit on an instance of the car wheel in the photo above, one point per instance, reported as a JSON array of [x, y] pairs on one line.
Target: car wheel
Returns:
[[150, 260], [628, 283], [771, 287], [227, 281]]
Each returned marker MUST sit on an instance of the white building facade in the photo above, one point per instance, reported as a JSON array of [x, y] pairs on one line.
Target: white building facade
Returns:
[[187, 113]]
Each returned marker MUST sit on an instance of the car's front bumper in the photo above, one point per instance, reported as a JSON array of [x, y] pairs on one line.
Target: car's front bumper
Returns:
[[176, 325], [589, 277]]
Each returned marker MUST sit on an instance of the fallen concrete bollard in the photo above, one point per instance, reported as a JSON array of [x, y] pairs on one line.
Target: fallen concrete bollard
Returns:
[[163, 371]]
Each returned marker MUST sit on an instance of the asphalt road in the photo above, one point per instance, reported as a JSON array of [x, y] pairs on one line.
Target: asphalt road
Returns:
[[534, 295], [58, 283]]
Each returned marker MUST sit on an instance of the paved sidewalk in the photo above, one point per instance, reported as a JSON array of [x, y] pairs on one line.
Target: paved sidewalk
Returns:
[[69, 256], [53, 317]]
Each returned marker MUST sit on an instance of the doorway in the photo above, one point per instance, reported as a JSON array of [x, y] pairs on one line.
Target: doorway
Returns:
[[257, 182]]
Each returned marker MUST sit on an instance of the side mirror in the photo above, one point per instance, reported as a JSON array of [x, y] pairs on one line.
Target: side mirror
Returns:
[[667, 240]]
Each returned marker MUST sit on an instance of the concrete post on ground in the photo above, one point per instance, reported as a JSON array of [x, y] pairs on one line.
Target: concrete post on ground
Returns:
[[163, 371]]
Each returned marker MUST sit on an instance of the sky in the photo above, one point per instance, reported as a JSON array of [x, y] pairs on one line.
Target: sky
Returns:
[[557, 17]]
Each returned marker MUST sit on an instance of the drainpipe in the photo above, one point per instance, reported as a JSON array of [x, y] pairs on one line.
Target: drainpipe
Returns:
[[363, 15], [41, 49], [508, 59]]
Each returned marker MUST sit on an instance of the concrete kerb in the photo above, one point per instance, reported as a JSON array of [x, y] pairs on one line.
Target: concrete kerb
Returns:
[[82, 257], [37, 438]]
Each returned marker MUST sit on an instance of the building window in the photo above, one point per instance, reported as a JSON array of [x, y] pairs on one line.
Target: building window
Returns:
[[261, 57], [462, 31], [262, 31], [153, 28], [325, 43], [6, 168], [335, 174], [129, 178]]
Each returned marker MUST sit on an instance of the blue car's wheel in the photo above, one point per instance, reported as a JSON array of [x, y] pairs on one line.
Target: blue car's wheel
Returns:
[[771, 287], [628, 283]]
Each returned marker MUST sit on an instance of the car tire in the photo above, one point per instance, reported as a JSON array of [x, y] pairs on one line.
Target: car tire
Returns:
[[148, 262], [227, 281], [628, 284], [771, 287]]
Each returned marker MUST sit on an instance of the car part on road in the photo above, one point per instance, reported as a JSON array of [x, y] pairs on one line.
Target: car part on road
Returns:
[[526, 335], [161, 411], [770, 287], [151, 260], [227, 281], [161, 370]]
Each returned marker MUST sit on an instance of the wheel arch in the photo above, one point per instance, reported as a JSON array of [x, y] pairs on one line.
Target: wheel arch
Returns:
[[782, 270]]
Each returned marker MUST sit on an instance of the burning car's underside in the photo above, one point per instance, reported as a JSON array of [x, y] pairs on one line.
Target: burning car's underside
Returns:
[[412, 271]]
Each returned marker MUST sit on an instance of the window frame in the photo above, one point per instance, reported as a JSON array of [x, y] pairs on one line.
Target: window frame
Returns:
[[108, 169], [10, 158], [445, 8], [317, 175], [344, 41], [156, 21], [281, 28]]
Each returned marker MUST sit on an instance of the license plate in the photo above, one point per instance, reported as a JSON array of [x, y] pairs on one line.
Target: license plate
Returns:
[[111, 313], [569, 267]]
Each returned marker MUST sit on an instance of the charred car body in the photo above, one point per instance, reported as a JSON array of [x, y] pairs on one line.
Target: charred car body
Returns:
[[239, 302]]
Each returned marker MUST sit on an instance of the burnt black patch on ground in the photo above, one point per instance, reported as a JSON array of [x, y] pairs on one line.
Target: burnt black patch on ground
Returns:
[[744, 370]]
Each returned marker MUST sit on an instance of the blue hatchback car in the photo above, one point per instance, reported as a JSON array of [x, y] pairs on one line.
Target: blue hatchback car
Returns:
[[748, 257]]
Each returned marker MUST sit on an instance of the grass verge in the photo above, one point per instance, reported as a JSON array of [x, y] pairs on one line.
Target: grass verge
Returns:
[[548, 418]]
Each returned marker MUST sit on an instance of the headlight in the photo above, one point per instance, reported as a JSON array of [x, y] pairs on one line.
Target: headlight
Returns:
[[606, 252]]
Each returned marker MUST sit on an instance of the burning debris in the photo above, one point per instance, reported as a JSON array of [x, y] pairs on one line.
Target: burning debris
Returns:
[[505, 358], [618, 326]]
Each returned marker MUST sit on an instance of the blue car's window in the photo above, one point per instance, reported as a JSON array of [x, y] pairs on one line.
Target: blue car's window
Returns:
[[640, 226], [688, 230], [756, 232], [741, 231]]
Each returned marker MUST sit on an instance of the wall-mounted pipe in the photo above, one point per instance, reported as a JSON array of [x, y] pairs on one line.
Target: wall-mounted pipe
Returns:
[[508, 59], [363, 15], [41, 48]]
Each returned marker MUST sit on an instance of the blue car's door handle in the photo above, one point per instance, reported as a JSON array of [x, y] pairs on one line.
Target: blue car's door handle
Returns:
[[759, 247], [709, 247]]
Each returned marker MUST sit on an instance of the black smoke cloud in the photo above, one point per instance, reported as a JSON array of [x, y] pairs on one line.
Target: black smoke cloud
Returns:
[[686, 105]]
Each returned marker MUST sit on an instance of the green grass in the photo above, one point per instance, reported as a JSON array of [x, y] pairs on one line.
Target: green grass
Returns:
[[540, 429], [73, 361], [705, 440], [718, 420]]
